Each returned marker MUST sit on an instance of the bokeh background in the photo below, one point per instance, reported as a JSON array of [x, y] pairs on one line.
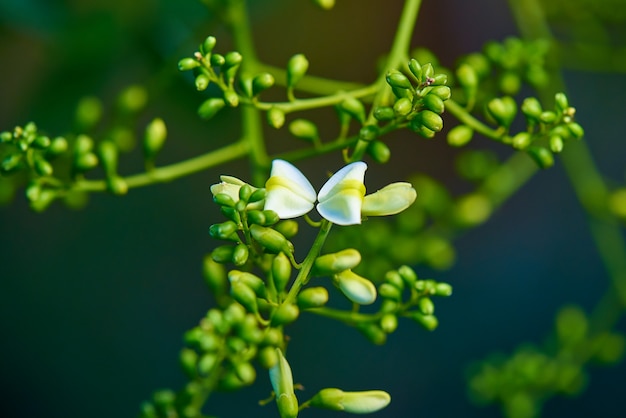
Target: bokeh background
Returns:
[[93, 303]]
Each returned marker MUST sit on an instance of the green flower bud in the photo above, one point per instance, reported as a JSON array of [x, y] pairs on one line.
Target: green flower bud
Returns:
[[296, 69], [234, 314], [548, 116], [108, 155], [268, 357], [217, 60], [187, 64], [57, 146], [42, 167], [231, 98], [576, 130], [11, 162], [272, 240], [426, 306], [271, 217], [431, 120], [189, 362], [6, 136], [240, 254], [207, 363], [522, 140], [354, 108], [561, 101], [257, 195], [282, 383], [210, 107], [434, 103], [232, 58], [333, 263], [373, 332], [467, 77], [156, 133], [389, 291], [275, 117], [442, 91], [379, 151], [556, 144], [262, 82], [542, 156], [289, 228], [427, 321], [389, 323], [312, 297], [510, 83], [202, 82], [531, 108], [88, 113], [214, 275], [85, 162], [416, 126], [443, 289], [427, 72], [408, 275], [356, 288], [41, 142], [133, 99], [285, 314], [281, 271], [223, 254], [256, 217], [415, 68], [304, 129], [397, 79], [384, 113], [502, 110], [460, 135], [249, 330], [402, 107], [245, 372], [252, 281], [243, 294], [364, 402], [208, 45]]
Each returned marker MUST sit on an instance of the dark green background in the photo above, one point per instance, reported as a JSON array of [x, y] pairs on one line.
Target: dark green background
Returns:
[[93, 303]]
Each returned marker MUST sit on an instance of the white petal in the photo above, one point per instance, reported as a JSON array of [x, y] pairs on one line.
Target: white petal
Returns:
[[353, 171], [289, 193], [391, 199], [341, 197]]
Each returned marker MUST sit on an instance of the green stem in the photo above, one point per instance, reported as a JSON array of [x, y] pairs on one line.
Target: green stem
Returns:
[[347, 317], [399, 53], [466, 118], [173, 171]]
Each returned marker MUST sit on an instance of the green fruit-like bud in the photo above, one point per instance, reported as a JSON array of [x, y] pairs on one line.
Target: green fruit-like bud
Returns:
[[398, 80], [256, 217], [384, 113], [11, 163], [289, 228], [304, 129], [240, 254], [223, 230], [41, 142], [356, 288], [281, 271], [210, 107], [393, 278], [431, 120], [262, 82], [373, 332], [6, 136], [389, 323], [510, 83], [223, 254], [231, 98], [187, 64], [156, 133], [364, 402], [296, 69], [443, 289], [542, 156], [502, 110], [408, 275], [312, 297], [214, 275], [245, 372], [208, 45], [275, 117], [224, 199], [531, 108], [416, 126], [257, 195], [434, 103], [427, 72], [442, 91], [232, 58], [272, 240], [337, 262], [217, 60], [108, 155], [402, 107], [244, 295], [285, 314], [43, 167], [439, 80], [561, 101], [88, 113], [57, 146], [460, 135], [368, 132], [522, 140], [252, 281], [267, 357], [576, 130], [427, 321], [467, 77], [202, 82], [354, 108], [84, 162], [389, 291], [189, 361], [282, 383], [548, 116], [379, 151], [133, 99], [426, 306], [415, 68], [207, 363]]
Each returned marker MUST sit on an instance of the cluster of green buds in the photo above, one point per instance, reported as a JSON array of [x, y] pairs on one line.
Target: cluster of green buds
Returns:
[[419, 96], [522, 382], [222, 70], [547, 130]]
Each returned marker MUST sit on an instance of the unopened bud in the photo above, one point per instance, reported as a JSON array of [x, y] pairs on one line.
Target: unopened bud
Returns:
[[356, 288], [337, 262], [296, 68]]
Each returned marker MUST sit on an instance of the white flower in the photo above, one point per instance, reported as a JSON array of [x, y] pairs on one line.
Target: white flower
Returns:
[[341, 199]]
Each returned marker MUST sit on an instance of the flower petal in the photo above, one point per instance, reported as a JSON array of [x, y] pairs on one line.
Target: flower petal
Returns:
[[289, 193], [341, 197], [391, 199]]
